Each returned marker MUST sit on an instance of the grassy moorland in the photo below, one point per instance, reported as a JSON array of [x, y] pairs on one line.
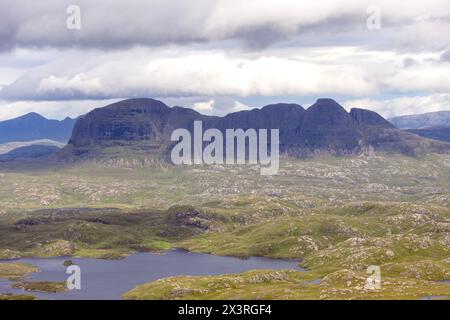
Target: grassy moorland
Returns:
[[337, 215], [301, 184], [285, 285]]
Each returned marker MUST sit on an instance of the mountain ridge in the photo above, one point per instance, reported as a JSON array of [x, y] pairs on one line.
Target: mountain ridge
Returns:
[[145, 125], [33, 126], [422, 121]]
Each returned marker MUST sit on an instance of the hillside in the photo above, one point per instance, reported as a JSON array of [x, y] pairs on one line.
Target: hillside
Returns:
[[441, 133]]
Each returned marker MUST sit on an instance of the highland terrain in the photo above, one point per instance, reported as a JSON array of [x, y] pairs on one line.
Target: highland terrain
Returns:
[[339, 204]]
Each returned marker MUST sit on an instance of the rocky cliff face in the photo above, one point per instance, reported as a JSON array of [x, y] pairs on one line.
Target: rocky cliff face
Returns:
[[130, 120], [369, 118], [328, 127], [145, 125]]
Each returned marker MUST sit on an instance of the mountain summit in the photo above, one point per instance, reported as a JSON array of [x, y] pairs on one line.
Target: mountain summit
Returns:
[[143, 126]]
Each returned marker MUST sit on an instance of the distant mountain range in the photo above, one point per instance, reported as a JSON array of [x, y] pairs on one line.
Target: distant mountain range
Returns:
[[143, 126], [421, 121], [432, 125], [33, 126]]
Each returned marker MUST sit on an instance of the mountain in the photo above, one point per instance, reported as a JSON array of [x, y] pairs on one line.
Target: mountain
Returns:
[[326, 126], [420, 121], [143, 127], [33, 126], [441, 133]]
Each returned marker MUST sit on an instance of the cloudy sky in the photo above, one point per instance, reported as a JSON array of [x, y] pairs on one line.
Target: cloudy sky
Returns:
[[219, 56]]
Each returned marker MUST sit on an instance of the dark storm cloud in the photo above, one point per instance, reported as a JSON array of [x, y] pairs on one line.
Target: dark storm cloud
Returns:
[[257, 23], [104, 24]]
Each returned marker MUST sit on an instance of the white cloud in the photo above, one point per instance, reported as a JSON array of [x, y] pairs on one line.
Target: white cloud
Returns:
[[8, 75], [239, 106], [204, 106], [432, 76], [326, 71], [143, 72], [50, 109], [193, 51]]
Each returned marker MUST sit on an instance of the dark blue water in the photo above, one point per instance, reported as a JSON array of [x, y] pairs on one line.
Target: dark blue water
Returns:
[[109, 279]]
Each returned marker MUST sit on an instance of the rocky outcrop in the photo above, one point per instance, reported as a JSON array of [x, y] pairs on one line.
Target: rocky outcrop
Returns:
[[328, 127], [131, 120], [189, 217], [143, 127]]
